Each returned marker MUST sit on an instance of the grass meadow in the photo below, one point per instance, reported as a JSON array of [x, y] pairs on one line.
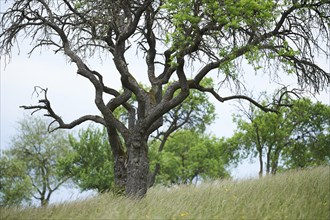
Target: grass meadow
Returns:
[[302, 194]]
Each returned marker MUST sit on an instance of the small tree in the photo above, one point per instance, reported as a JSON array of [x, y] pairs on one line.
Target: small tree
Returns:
[[194, 114], [29, 166], [15, 185], [189, 157], [295, 137], [90, 165], [310, 139]]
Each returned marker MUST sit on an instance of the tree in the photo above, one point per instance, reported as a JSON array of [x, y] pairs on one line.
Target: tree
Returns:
[[296, 136], [190, 157], [212, 34], [91, 163], [311, 136], [15, 185], [29, 167], [194, 114]]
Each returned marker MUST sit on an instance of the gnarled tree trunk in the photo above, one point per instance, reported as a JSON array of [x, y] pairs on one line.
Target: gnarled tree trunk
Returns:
[[137, 166], [120, 159]]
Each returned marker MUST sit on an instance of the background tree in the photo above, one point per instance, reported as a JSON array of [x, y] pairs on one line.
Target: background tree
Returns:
[[194, 114], [311, 136], [90, 165], [189, 157], [171, 34], [15, 185], [29, 166], [295, 137]]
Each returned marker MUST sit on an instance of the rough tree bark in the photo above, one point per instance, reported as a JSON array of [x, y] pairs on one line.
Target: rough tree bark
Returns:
[[138, 165], [120, 160]]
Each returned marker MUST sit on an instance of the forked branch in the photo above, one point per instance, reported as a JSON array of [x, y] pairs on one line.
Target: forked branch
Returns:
[[44, 104], [276, 105]]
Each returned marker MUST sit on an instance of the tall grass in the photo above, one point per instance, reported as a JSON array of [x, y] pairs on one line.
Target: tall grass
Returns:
[[303, 194]]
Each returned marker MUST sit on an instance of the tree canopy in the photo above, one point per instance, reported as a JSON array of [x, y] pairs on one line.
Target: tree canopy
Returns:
[[211, 35], [190, 157], [90, 163], [29, 168], [295, 137]]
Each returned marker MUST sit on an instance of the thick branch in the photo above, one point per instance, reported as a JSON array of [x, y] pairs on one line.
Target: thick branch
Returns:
[[170, 101]]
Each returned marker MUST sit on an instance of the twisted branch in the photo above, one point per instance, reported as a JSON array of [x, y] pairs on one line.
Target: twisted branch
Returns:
[[44, 104]]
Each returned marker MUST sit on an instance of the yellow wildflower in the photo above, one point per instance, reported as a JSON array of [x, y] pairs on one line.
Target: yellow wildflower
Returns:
[[183, 214]]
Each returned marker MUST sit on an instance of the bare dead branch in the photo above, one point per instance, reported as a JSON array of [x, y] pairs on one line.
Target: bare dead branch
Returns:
[[45, 105]]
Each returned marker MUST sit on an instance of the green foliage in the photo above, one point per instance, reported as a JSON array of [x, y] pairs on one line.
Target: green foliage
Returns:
[[195, 113], [90, 165], [247, 28], [15, 185], [302, 194], [230, 14], [293, 138], [189, 157], [29, 166], [311, 135], [226, 19]]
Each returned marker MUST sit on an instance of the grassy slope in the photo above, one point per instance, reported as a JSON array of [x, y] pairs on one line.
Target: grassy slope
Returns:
[[293, 195]]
